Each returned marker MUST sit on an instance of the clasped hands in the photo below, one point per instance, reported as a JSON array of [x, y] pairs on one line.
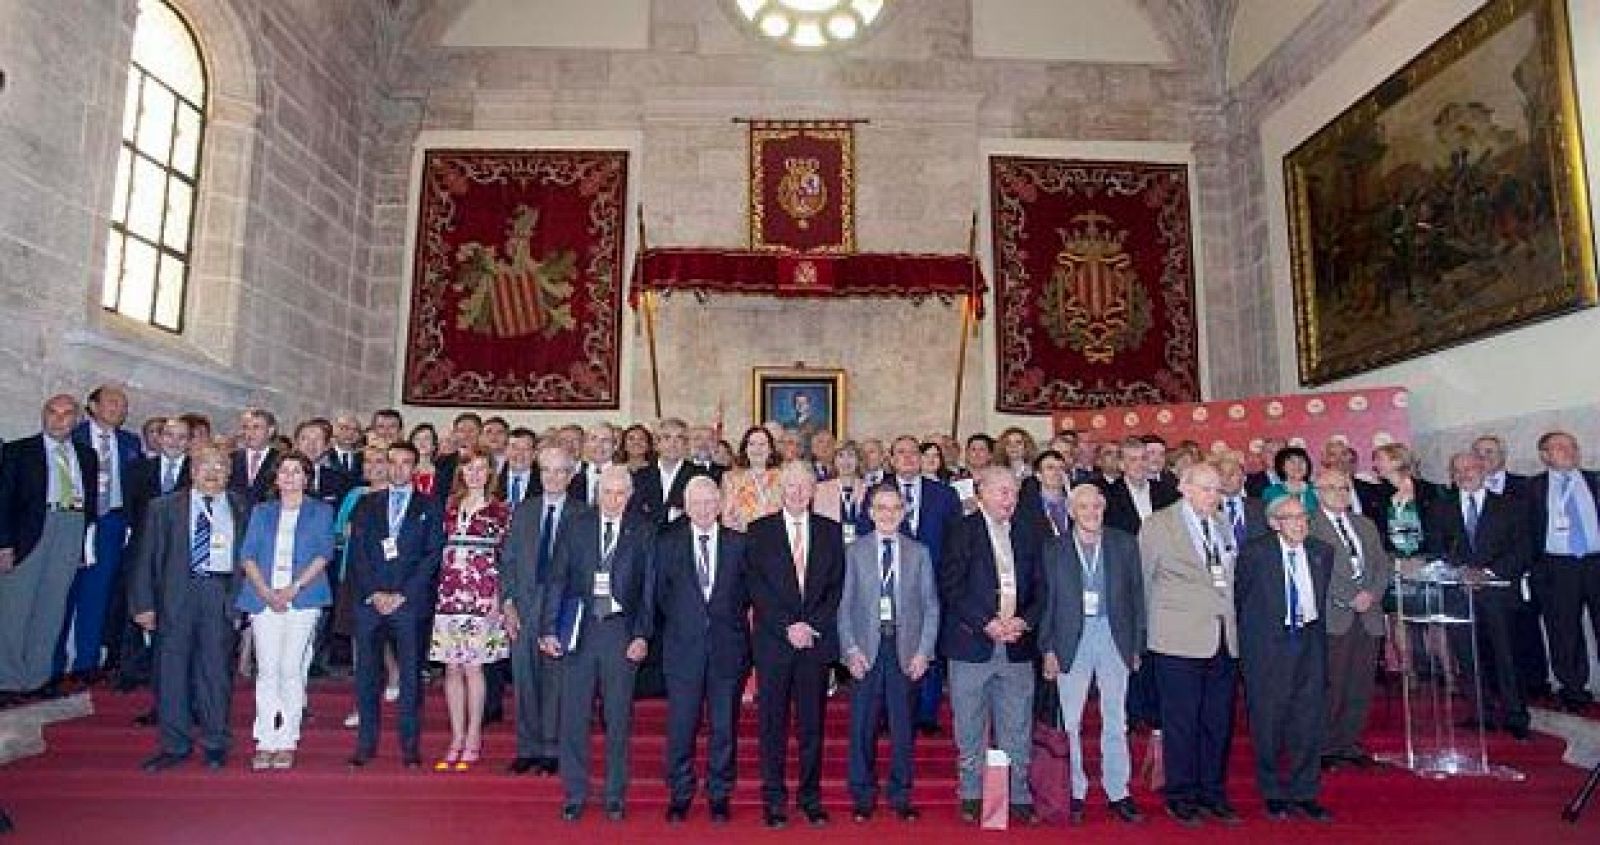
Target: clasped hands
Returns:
[[387, 603], [802, 635], [856, 662], [638, 648], [1006, 631]]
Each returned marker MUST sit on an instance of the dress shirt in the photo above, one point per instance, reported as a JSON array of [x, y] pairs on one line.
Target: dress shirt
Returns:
[[518, 483], [1471, 513], [104, 443], [399, 499], [1140, 494], [1577, 487], [667, 478], [1495, 481], [1005, 564], [254, 459], [1219, 535], [1300, 573], [53, 491], [222, 527], [710, 533], [171, 469], [914, 504]]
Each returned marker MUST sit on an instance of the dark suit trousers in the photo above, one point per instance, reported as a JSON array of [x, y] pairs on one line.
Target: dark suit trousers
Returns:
[[1196, 722], [1352, 673], [1571, 583], [600, 660], [1285, 689], [1533, 660], [929, 692], [90, 599], [373, 631], [1144, 695], [538, 697], [194, 668], [1496, 667], [799, 682], [885, 691], [692, 690]]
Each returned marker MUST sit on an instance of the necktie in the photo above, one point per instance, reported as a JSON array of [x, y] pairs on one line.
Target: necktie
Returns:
[[547, 539], [106, 456], [397, 510], [255, 466], [797, 548], [1472, 515], [887, 579], [1349, 543], [1210, 542], [66, 491], [847, 504], [347, 462], [1577, 539], [1294, 590], [1236, 519], [516, 489], [200, 546], [169, 476], [909, 523], [608, 543], [702, 562]]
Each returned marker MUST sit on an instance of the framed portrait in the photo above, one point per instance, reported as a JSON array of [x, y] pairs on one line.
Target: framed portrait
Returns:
[[805, 399], [1447, 204]]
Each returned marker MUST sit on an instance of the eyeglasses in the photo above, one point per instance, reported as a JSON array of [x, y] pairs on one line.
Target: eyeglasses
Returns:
[[1291, 517], [1334, 488]]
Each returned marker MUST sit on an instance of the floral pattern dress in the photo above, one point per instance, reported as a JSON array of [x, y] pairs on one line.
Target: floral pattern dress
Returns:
[[467, 626]]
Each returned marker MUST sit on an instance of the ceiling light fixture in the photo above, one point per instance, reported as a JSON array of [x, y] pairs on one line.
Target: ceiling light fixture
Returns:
[[810, 25]]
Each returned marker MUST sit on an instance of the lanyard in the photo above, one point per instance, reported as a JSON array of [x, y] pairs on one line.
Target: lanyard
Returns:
[[1090, 563]]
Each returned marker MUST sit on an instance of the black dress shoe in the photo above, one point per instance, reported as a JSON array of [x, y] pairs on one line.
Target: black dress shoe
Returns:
[[163, 761], [571, 812], [1519, 732], [145, 719], [1184, 813], [930, 729], [614, 811], [1024, 814], [1331, 762], [677, 812], [971, 808], [1279, 811], [907, 813], [521, 765], [1126, 811], [815, 815], [359, 760], [216, 759], [861, 813], [494, 717], [549, 766], [1075, 812], [1222, 811], [719, 811], [775, 819], [1314, 811]]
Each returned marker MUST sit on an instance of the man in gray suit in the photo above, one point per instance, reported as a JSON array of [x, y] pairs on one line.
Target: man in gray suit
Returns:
[[1093, 630], [181, 588], [1354, 614], [888, 627], [525, 575]]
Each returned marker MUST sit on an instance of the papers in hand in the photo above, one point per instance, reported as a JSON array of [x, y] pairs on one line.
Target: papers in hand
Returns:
[[569, 627], [965, 489]]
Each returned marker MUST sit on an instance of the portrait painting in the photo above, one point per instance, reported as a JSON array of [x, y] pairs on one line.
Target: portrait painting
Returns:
[[1447, 204], [801, 399]]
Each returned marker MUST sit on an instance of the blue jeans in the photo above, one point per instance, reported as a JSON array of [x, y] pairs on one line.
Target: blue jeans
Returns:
[[1000, 692], [1099, 661]]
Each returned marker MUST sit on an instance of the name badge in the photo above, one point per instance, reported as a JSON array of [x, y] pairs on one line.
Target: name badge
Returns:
[[1008, 582], [1219, 576], [602, 585], [885, 609], [849, 532], [221, 542], [1561, 525], [1091, 603], [391, 548], [104, 479]]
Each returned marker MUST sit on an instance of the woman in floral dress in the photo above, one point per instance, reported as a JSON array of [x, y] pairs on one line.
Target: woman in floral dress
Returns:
[[750, 490], [467, 629]]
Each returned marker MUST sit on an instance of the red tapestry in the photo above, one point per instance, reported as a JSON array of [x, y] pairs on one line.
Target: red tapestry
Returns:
[[802, 186], [517, 293], [1095, 284]]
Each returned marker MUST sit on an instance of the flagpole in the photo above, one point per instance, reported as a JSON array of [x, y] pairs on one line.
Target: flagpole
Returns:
[[968, 307], [649, 301]]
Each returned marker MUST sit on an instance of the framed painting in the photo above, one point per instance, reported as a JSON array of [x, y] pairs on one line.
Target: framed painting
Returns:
[[1446, 205], [804, 399]]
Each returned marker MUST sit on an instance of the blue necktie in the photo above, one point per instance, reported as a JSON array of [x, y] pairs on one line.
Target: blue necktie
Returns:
[[547, 539], [1237, 521], [1472, 521], [1577, 538], [1294, 592], [397, 511], [516, 489], [169, 478], [907, 524], [200, 546]]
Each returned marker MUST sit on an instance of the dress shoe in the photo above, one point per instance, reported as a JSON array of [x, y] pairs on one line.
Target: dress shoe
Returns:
[[719, 811], [1358, 758], [929, 729], [1279, 811], [815, 815], [775, 819], [411, 761], [216, 758], [5, 823], [907, 813], [1075, 812], [1314, 811], [1024, 814], [861, 813], [970, 810], [145, 719], [1126, 811], [163, 761], [549, 766], [1222, 811], [1519, 732], [615, 811], [571, 812], [494, 717], [521, 766], [677, 812], [1331, 762], [1184, 813]]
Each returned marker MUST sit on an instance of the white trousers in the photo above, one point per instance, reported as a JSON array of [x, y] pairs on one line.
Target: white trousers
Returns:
[[283, 658]]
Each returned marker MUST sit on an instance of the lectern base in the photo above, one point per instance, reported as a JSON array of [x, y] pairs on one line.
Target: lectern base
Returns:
[[1449, 764]]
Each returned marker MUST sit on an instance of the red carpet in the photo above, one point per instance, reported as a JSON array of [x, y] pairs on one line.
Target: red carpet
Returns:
[[88, 789]]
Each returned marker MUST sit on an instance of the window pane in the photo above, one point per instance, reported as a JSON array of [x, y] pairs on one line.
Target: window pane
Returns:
[[186, 148], [155, 123], [119, 196], [130, 107], [144, 209], [169, 297], [138, 280], [113, 282], [163, 46], [180, 202]]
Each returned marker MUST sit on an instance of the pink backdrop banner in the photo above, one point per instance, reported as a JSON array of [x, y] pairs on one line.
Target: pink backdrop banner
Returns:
[[1363, 418]]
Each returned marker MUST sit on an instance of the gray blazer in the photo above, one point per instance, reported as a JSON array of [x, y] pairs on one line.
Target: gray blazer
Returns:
[[1181, 603], [1338, 616], [519, 582], [916, 600], [1061, 628]]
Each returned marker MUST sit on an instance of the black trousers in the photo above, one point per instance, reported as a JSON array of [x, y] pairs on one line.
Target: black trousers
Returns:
[[1571, 586], [1196, 722], [403, 628], [598, 665], [694, 693], [194, 668], [1285, 680], [796, 683], [1499, 680]]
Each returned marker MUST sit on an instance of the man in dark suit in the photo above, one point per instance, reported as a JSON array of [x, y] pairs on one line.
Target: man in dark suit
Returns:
[[328, 482], [517, 481], [396, 541], [348, 439], [1042, 500], [149, 479], [705, 641], [1562, 504], [702, 445], [1246, 516], [658, 487], [1353, 614], [525, 582], [1483, 533], [1527, 633], [465, 431], [1139, 492], [48, 499], [116, 450], [519, 476], [1280, 590], [795, 575], [1093, 630], [992, 596], [602, 563], [1256, 483], [181, 589], [1155, 460], [255, 463]]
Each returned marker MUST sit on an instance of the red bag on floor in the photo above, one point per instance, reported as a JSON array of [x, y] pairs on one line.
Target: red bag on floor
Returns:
[[1049, 776], [996, 790]]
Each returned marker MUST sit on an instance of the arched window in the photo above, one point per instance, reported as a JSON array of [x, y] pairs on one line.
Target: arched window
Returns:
[[158, 168]]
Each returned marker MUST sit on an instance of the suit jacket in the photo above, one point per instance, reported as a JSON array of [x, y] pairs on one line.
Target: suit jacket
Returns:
[[775, 595], [329, 483], [266, 476], [357, 465], [1498, 543], [444, 474], [1536, 499], [938, 511], [969, 591], [1516, 485], [143, 486], [1377, 569], [1120, 510], [25, 485], [1375, 504], [420, 545], [829, 499], [576, 558], [313, 538], [1257, 483], [129, 451], [916, 601], [1255, 519], [696, 634], [159, 579], [519, 560], [1181, 603], [648, 500], [1122, 602], [1259, 595], [1031, 512]]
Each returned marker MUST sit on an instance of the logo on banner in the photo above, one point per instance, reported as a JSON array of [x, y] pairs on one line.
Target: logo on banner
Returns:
[[802, 192], [515, 295], [1093, 303]]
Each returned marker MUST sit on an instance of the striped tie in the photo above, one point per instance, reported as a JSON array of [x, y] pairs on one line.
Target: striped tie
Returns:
[[200, 547]]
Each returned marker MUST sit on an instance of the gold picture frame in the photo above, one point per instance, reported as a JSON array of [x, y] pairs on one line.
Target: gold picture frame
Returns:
[[1446, 205], [805, 399]]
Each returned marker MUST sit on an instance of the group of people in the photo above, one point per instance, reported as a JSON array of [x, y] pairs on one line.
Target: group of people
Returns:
[[920, 570]]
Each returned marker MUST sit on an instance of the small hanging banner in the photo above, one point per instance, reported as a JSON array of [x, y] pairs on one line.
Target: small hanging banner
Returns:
[[802, 186]]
